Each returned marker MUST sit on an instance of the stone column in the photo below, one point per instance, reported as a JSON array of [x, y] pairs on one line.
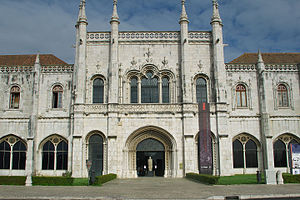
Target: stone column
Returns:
[[29, 161]]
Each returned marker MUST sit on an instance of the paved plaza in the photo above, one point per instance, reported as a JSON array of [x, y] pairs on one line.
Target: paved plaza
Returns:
[[149, 188]]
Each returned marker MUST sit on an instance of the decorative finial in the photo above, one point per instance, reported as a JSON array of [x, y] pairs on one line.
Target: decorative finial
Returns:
[[183, 16], [216, 15], [115, 16], [37, 59], [260, 59], [82, 16]]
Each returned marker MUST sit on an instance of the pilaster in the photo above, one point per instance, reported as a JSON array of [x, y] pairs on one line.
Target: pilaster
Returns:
[[266, 138]]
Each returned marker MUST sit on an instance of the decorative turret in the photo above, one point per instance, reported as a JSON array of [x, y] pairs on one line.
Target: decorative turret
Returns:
[[184, 32], [113, 70], [80, 58], [218, 55]]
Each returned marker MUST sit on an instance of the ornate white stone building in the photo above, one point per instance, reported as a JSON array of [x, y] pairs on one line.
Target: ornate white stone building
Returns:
[[135, 94]]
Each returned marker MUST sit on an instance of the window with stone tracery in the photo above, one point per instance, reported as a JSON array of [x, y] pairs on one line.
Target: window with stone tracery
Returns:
[[149, 85], [241, 96], [98, 90], [282, 96], [14, 97], [12, 153], [281, 150], [57, 95], [55, 154], [244, 152]]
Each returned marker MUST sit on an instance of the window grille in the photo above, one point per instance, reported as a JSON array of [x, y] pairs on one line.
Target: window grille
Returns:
[[134, 90], [201, 90], [165, 90], [98, 91], [150, 89], [282, 96]]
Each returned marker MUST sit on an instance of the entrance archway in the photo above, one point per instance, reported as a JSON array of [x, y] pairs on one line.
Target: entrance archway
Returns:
[[154, 150], [154, 142]]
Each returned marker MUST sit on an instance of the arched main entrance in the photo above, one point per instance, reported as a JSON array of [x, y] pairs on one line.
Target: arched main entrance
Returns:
[[154, 150], [154, 142]]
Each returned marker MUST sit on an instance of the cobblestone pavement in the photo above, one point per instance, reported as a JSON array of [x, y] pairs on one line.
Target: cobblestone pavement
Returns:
[[149, 188]]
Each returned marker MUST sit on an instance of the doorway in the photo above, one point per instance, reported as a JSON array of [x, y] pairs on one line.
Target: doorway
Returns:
[[150, 149], [96, 154]]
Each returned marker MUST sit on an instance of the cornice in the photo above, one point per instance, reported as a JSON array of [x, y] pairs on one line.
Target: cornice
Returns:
[[268, 67]]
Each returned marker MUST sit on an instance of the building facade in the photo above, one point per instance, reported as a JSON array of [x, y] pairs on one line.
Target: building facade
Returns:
[[132, 95]]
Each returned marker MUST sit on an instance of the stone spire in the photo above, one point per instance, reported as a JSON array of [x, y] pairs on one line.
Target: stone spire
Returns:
[[37, 59], [115, 16], [260, 63], [183, 16], [81, 15], [260, 59], [216, 15]]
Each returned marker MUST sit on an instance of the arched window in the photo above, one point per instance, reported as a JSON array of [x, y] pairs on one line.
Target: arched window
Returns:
[[279, 154], [19, 155], [14, 97], [55, 154], [241, 96], [57, 93], [244, 152], [134, 90], [201, 90], [281, 148], [48, 155], [238, 155], [98, 91], [62, 156], [150, 89], [13, 148], [251, 154], [282, 94], [165, 90], [96, 153], [4, 155]]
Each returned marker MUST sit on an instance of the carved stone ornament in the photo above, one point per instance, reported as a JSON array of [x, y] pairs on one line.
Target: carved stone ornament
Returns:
[[200, 64], [165, 62], [148, 55], [133, 62]]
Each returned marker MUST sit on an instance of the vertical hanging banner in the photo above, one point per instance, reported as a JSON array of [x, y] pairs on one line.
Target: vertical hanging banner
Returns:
[[295, 149], [204, 140]]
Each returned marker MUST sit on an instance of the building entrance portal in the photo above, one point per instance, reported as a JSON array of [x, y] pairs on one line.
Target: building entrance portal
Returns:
[[150, 151], [150, 158]]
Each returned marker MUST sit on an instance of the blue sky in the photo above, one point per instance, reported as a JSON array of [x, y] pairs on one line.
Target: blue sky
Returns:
[[47, 26]]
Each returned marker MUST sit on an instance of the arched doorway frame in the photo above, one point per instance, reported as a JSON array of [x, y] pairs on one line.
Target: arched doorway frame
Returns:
[[154, 133], [104, 139]]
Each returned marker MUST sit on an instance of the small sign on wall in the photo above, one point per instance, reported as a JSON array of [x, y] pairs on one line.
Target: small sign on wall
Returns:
[[295, 149]]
